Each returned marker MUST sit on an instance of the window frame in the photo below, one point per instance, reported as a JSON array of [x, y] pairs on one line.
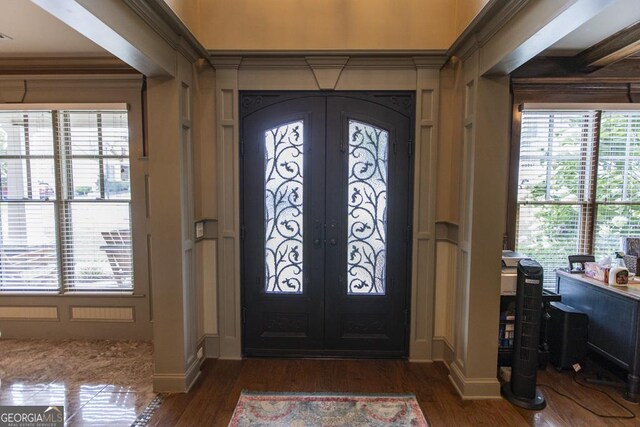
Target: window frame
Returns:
[[565, 94], [62, 202], [559, 93]]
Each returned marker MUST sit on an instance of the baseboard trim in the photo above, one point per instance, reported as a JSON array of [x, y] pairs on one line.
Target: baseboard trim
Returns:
[[177, 383], [210, 345], [193, 373], [473, 388], [420, 351], [230, 348], [442, 351]]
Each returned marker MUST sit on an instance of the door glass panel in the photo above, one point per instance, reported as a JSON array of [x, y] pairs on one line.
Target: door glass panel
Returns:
[[283, 208], [367, 212]]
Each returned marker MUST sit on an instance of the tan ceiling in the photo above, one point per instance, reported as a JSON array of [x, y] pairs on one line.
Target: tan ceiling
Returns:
[[36, 33]]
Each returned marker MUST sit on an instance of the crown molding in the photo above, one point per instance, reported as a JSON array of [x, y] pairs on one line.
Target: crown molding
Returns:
[[228, 62], [386, 53], [331, 64], [161, 18], [432, 61], [260, 62], [485, 25], [61, 65]]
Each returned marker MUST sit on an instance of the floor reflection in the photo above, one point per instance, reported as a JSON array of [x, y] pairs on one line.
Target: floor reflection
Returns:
[[99, 383]]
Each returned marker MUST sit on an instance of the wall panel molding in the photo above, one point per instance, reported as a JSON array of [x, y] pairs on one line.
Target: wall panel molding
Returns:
[[102, 314], [32, 312]]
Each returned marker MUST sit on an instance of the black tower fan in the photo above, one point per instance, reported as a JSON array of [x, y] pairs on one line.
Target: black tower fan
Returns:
[[522, 391]]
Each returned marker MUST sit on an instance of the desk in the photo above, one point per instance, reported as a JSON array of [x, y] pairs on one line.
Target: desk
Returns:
[[614, 321]]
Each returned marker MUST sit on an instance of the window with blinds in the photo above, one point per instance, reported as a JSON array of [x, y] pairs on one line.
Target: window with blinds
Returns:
[[578, 184], [65, 200]]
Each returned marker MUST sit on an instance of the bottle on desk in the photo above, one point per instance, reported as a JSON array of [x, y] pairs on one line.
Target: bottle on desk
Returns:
[[619, 275]]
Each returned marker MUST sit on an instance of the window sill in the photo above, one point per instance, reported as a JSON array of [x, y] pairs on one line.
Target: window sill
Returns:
[[98, 294]]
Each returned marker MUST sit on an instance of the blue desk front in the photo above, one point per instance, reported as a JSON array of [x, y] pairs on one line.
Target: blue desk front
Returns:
[[614, 321]]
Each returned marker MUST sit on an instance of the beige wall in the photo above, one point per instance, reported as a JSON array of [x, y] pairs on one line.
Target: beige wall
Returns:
[[466, 10], [320, 25], [326, 24], [188, 11]]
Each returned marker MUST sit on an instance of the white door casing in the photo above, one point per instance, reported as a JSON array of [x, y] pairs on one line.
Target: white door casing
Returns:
[[419, 74]]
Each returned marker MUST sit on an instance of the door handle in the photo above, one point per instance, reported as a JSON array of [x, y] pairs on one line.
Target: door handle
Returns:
[[332, 233], [317, 233]]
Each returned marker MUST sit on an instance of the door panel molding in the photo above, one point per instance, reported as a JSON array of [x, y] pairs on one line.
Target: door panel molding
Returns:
[[419, 74]]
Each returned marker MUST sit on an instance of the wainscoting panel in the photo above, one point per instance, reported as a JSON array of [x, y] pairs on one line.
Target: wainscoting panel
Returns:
[[29, 313], [112, 314]]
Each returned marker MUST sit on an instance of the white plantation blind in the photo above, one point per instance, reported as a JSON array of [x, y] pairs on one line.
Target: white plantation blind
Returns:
[[65, 208], [618, 189], [576, 192], [95, 216], [28, 250]]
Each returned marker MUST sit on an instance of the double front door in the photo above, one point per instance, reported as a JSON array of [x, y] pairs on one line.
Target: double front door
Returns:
[[326, 208]]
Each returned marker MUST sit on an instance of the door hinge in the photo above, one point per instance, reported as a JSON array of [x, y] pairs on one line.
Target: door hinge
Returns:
[[410, 148], [409, 233], [242, 232], [244, 315], [406, 316], [241, 147], [395, 146]]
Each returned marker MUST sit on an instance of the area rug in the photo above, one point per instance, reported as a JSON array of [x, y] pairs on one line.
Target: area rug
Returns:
[[326, 409]]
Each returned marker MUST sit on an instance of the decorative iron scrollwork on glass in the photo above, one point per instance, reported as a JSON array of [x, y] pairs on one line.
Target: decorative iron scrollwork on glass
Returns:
[[367, 212], [284, 208]]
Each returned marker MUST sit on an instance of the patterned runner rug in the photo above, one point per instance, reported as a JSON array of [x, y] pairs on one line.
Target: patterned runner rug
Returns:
[[326, 409]]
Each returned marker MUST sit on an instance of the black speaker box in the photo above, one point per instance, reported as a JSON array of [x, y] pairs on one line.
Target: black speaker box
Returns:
[[567, 335]]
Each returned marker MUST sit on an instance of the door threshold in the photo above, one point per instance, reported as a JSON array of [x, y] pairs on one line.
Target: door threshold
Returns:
[[324, 355]]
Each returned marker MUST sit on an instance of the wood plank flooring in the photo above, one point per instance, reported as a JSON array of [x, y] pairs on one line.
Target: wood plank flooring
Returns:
[[213, 398]]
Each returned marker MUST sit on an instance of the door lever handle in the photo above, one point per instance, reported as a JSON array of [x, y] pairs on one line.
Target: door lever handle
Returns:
[[317, 233], [333, 231]]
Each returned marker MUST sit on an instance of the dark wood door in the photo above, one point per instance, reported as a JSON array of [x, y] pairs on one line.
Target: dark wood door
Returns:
[[326, 208]]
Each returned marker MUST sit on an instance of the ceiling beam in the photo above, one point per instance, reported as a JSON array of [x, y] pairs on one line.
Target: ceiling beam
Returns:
[[621, 45], [115, 27], [535, 27]]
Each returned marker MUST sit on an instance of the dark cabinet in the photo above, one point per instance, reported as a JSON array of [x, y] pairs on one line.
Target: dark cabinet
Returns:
[[613, 321], [507, 324]]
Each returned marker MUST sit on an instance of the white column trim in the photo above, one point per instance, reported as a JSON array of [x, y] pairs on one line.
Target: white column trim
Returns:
[[227, 130]]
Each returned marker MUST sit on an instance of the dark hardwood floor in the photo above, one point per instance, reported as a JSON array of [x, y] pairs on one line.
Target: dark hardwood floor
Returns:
[[212, 400]]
